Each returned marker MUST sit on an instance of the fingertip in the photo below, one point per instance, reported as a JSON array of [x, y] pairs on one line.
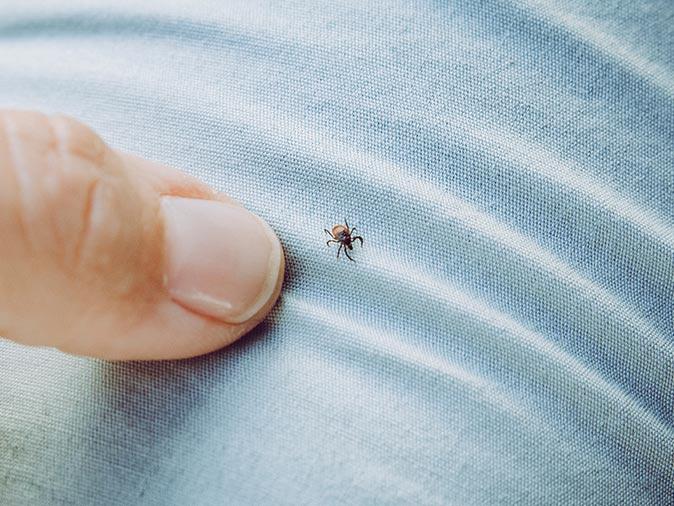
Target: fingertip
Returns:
[[221, 260], [130, 260]]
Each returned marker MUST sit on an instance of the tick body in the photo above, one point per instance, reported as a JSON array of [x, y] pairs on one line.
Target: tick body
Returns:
[[343, 235]]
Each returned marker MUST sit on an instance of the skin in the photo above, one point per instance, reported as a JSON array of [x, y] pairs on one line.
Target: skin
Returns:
[[82, 256]]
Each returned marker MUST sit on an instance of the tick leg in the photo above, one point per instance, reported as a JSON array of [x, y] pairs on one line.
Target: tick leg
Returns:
[[339, 250], [328, 232], [347, 255], [358, 238], [328, 242], [346, 223]]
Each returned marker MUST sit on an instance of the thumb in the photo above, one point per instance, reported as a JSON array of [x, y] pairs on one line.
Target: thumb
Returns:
[[107, 255]]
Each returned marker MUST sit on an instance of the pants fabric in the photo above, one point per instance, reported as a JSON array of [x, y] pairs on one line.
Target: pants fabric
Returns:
[[506, 334]]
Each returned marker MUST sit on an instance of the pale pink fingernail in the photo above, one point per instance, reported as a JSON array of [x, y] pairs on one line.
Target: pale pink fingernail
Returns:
[[221, 260]]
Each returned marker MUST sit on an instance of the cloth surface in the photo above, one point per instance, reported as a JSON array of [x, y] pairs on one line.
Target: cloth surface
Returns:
[[506, 334]]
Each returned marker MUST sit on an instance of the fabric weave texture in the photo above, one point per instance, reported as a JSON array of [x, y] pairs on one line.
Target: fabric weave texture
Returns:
[[506, 334]]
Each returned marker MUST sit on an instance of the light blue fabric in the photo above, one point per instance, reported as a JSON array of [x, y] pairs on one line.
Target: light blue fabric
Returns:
[[506, 334]]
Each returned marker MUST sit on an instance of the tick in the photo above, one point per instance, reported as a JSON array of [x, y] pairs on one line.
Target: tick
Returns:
[[343, 235]]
